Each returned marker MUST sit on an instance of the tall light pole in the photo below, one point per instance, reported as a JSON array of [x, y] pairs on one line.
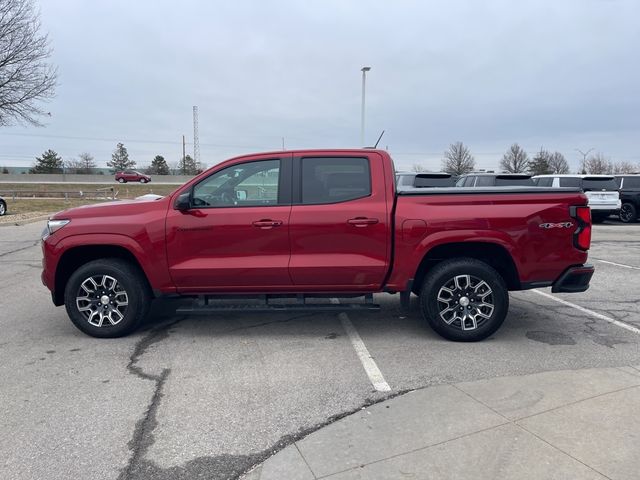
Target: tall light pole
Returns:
[[364, 71], [584, 158]]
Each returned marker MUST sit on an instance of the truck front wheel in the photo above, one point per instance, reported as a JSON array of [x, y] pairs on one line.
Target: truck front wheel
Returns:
[[464, 299], [107, 298]]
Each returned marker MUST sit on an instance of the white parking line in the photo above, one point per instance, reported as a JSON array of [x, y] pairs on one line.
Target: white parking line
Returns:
[[370, 367], [617, 264], [612, 321]]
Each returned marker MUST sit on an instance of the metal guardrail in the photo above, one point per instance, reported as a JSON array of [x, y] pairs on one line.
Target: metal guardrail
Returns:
[[108, 193]]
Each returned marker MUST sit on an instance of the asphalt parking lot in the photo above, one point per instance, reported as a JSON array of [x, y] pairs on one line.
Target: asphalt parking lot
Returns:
[[208, 397]]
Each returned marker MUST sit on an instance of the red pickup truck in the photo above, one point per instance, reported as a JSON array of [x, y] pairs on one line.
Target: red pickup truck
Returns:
[[316, 224]]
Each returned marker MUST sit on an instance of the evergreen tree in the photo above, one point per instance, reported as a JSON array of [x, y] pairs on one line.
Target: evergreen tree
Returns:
[[158, 166], [540, 163], [120, 159], [49, 162], [189, 166]]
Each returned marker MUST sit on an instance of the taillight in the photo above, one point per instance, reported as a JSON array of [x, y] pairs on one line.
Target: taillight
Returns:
[[582, 236]]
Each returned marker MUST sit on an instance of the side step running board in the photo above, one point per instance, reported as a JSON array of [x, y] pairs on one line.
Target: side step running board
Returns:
[[203, 306]]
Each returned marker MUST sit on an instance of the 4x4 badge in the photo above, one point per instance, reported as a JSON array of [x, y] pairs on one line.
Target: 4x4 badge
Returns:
[[546, 226]]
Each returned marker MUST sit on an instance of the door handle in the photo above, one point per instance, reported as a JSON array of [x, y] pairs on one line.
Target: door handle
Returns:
[[362, 221], [266, 223]]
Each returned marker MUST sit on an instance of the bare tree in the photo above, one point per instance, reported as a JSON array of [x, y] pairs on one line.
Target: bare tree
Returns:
[[416, 167], [458, 160], [557, 163], [88, 162], [515, 160], [583, 164], [598, 164], [26, 76], [623, 166]]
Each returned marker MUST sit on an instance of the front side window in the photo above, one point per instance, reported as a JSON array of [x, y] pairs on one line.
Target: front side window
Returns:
[[545, 181], [333, 180], [243, 185]]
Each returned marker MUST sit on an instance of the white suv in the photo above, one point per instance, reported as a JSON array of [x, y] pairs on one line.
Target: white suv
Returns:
[[601, 190]]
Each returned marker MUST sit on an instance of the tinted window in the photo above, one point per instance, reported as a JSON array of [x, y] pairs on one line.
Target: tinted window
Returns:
[[514, 181], [469, 181], [331, 180], [460, 182], [570, 182], [245, 184], [631, 182], [599, 184], [426, 180], [484, 181], [545, 181]]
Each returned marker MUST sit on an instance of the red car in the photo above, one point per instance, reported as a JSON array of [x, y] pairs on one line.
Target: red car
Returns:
[[132, 176], [316, 224]]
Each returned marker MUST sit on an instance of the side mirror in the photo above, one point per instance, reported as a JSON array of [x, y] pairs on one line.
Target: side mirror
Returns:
[[183, 202]]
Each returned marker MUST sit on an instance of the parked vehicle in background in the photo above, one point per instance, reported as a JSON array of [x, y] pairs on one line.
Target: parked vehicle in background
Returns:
[[3, 206], [495, 180], [316, 223], [629, 197], [132, 176], [425, 179], [601, 190]]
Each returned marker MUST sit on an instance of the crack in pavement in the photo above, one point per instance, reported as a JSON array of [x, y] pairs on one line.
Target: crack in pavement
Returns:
[[143, 433], [20, 249]]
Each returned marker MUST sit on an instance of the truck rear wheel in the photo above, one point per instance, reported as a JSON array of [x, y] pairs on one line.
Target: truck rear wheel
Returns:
[[107, 298], [464, 299]]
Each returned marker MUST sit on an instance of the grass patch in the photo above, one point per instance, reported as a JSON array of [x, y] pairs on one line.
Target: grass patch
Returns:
[[20, 206]]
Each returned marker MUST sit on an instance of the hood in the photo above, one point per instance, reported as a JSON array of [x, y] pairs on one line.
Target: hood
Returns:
[[113, 208]]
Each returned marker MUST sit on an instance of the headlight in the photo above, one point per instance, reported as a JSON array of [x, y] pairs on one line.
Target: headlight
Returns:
[[54, 225]]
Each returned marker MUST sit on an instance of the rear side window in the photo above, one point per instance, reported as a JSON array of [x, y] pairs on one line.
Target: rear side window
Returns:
[[332, 180], [631, 182], [570, 182], [484, 182]]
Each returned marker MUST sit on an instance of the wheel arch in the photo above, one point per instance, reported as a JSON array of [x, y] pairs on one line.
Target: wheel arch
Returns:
[[491, 253], [75, 257]]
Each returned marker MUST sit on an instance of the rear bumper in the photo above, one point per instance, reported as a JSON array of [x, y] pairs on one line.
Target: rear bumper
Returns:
[[574, 279]]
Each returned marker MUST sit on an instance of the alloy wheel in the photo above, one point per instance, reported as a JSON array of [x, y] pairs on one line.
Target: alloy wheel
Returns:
[[465, 302], [102, 300]]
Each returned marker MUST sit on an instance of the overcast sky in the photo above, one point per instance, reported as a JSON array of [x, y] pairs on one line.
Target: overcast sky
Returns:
[[563, 74]]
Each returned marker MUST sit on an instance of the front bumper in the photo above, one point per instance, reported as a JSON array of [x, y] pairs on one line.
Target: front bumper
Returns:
[[574, 279]]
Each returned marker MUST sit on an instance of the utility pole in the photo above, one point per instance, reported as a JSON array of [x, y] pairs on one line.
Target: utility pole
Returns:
[[282, 143], [196, 141], [184, 156]]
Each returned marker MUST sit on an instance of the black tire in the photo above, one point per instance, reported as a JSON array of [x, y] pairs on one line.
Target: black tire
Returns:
[[598, 217], [128, 278], [628, 213], [3, 207], [474, 297], [122, 180]]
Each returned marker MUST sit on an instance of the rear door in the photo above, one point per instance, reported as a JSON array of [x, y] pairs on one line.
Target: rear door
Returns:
[[340, 224]]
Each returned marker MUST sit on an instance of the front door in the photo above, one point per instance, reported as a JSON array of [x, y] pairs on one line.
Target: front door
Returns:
[[235, 235]]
